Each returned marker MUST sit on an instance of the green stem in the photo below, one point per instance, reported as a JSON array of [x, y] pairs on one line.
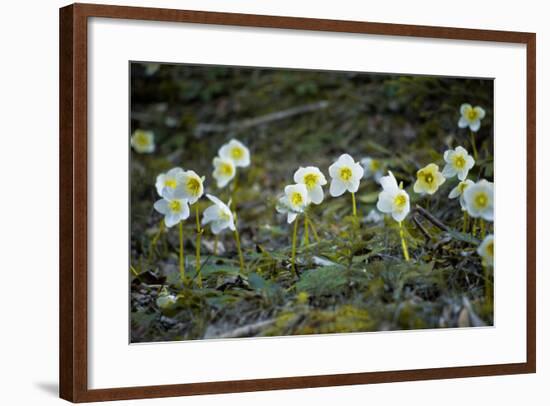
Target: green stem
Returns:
[[238, 242], [482, 226], [354, 205], [216, 244], [314, 231], [474, 229], [473, 142], [198, 247], [465, 222], [293, 259], [403, 242], [306, 230], [182, 259]]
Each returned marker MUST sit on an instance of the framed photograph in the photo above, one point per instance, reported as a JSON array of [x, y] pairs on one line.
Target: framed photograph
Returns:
[[256, 202]]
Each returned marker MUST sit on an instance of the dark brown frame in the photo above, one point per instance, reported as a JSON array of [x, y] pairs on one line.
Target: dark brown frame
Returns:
[[73, 201]]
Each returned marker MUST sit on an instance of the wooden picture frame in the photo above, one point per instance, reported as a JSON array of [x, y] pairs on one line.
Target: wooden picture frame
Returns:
[[73, 199]]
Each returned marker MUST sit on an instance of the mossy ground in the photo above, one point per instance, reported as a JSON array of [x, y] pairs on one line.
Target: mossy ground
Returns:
[[352, 279]]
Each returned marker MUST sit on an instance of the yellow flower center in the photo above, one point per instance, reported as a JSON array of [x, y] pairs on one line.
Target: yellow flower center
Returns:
[[345, 173], [175, 206], [471, 114], [490, 248], [296, 199], [224, 215], [400, 201], [374, 165], [460, 162], [481, 200], [428, 178], [237, 153], [171, 183], [226, 169], [311, 180], [142, 140], [193, 186]]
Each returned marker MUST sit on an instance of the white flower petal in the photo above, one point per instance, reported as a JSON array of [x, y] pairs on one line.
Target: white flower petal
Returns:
[[161, 206], [463, 123], [337, 188], [480, 112], [474, 126], [385, 202], [171, 219], [389, 183], [464, 108], [353, 185], [454, 193], [291, 217], [316, 194], [357, 171], [449, 171]]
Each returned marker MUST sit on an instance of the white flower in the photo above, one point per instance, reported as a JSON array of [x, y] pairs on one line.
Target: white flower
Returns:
[[189, 186], [224, 171], [428, 180], [294, 202], [470, 116], [314, 179], [167, 182], [458, 191], [166, 301], [174, 210], [373, 168], [346, 175], [237, 152], [458, 162], [393, 199], [479, 200], [219, 216], [143, 141], [374, 216], [487, 250]]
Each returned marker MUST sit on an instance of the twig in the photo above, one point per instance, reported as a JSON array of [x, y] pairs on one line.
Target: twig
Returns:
[[202, 128], [431, 218], [421, 228], [248, 330]]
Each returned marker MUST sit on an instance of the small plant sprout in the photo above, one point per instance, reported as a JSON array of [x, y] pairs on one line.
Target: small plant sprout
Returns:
[[346, 175], [143, 141], [237, 152], [175, 211], [479, 202], [224, 171], [294, 202], [471, 117], [428, 180], [373, 168], [190, 187], [167, 183], [486, 251], [458, 191], [165, 300], [458, 162], [395, 201]]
